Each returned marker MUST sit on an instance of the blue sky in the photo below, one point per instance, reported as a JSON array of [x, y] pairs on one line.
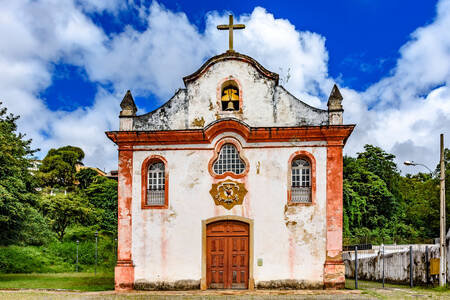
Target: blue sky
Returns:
[[70, 62]]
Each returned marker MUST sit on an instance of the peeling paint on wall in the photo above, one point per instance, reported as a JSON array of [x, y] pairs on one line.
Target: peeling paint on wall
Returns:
[[264, 103]]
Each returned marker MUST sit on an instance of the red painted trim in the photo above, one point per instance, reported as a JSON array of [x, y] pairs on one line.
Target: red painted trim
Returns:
[[144, 178], [334, 133], [124, 270], [217, 148], [311, 159], [243, 147], [334, 270]]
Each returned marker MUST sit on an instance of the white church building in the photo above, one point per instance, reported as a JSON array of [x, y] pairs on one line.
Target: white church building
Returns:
[[233, 183]]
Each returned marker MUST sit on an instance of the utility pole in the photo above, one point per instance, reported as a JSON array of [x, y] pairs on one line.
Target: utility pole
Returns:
[[443, 260]]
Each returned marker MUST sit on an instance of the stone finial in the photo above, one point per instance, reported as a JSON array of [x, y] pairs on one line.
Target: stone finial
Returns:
[[335, 109], [128, 106]]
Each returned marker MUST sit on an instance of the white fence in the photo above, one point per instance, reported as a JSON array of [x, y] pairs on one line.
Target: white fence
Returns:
[[395, 262]]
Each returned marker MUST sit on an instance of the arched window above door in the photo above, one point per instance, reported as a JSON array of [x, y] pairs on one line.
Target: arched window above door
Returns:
[[229, 161]]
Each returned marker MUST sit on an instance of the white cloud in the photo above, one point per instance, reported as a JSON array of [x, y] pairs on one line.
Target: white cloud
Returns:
[[153, 60], [407, 109], [100, 6], [410, 108]]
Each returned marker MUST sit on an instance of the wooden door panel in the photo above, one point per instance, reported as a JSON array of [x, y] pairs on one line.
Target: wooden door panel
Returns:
[[239, 262], [227, 255], [216, 262]]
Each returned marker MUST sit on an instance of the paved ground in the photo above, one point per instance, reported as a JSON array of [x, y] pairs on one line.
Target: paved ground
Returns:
[[194, 295], [372, 293]]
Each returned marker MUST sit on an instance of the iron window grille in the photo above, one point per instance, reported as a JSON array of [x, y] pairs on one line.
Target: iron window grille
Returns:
[[301, 181], [156, 184], [228, 161]]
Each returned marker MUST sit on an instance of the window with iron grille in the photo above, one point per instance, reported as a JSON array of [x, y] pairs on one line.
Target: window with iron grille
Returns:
[[301, 181], [228, 161], [156, 184]]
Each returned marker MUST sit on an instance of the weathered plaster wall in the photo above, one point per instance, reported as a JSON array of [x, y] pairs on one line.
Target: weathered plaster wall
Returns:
[[396, 264], [264, 103], [167, 243], [172, 115]]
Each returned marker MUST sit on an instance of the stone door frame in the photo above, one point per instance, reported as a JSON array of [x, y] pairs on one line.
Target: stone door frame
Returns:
[[251, 282]]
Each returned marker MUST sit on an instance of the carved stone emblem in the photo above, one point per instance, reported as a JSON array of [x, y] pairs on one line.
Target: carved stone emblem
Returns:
[[228, 193]]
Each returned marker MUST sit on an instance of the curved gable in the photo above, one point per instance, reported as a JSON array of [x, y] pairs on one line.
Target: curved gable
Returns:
[[231, 55]]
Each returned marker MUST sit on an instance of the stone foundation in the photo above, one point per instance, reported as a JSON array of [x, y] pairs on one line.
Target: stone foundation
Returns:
[[334, 275], [179, 285], [289, 284], [124, 275]]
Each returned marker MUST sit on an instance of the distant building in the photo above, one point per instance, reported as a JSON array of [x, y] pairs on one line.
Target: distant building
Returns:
[[81, 167], [113, 174], [35, 164]]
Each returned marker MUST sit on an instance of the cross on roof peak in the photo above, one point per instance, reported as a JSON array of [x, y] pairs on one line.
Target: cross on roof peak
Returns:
[[230, 28]]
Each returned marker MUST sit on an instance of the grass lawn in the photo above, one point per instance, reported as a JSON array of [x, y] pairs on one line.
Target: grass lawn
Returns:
[[398, 291], [66, 281]]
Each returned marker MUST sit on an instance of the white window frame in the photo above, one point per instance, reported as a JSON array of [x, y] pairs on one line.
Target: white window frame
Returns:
[[301, 181], [156, 184]]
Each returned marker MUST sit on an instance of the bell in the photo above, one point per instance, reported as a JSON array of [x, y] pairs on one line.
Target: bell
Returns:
[[230, 105]]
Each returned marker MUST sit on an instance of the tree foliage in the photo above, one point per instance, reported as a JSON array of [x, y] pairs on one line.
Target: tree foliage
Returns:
[[58, 168], [380, 205], [85, 177], [102, 193], [65, 210], [17, 185]]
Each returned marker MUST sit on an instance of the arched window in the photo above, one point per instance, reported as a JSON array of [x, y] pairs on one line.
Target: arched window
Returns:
[[230, 96], [156, 185], [300, 181], [228, 161]]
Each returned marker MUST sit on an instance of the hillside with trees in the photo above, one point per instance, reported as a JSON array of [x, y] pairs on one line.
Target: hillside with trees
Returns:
[[44, 212], [382, 206]]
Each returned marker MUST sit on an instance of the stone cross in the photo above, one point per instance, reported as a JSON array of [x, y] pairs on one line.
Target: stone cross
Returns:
[[230, 28]]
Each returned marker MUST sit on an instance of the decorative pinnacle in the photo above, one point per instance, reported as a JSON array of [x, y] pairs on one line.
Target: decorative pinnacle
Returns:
[[335, 99], [128, 106]]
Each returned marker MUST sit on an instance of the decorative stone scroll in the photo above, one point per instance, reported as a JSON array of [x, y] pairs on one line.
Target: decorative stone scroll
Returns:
[[228, 193]]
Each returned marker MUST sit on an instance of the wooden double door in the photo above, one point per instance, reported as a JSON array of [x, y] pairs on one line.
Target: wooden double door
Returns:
[[227, 255]]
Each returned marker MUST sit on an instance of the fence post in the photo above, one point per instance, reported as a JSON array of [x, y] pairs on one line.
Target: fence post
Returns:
[[78, 242], [96, 251], [427, 266], [382, 246], [410, 267], [356, 267], [115, 251]]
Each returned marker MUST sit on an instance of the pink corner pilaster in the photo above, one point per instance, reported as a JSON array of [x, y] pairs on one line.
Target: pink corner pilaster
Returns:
[[334, 269], [124, 271]]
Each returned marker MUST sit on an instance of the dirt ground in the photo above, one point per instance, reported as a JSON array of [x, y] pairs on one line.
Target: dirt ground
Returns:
[[388, 293]]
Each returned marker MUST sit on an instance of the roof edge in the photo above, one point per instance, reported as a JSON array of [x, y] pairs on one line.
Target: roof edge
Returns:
[[231, 55]]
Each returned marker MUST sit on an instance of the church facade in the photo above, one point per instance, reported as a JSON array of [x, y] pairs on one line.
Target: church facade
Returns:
[[232, 184]]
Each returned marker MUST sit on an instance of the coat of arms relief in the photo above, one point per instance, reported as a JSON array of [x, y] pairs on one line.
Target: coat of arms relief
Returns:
[[228, 193]]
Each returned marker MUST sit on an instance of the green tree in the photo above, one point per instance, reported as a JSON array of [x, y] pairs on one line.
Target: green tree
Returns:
[[58, 168], [420, 195], [85, 177], [65, 210], [17, 185], [370, 189], [380, 163], [102, 193]]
